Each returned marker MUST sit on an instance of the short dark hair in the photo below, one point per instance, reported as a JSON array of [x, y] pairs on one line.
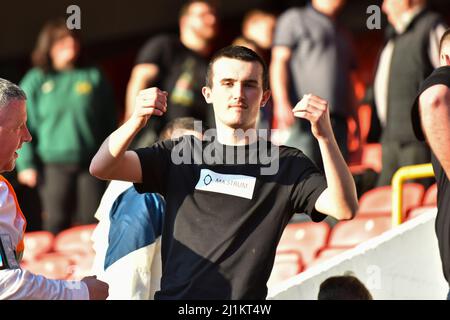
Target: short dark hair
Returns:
[[185, 123], [343, 288], [52, 31], [238, 53], [185, 7], [445, 37]]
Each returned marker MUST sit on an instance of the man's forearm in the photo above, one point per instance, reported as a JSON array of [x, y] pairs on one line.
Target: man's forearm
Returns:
[[112, 150], [18, 284], [341, 186], [279, 82]]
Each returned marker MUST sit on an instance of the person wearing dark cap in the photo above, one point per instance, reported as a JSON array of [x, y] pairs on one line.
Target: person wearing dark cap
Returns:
[[431, 122]]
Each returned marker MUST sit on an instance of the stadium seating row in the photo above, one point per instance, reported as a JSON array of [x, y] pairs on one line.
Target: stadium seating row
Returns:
[[306, 244], [68, 255]]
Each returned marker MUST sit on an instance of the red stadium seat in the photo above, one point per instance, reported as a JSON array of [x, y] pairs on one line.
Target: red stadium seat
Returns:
[[287, 264], [304, 237], [351, 233], [37, 243], [418, 211], [371, 156], [430, 197], [364, 119], [378, 201], [75, 239], [51, 265], [82, 264]]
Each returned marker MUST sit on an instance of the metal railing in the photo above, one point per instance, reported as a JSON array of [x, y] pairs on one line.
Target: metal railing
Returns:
[[401, 175]]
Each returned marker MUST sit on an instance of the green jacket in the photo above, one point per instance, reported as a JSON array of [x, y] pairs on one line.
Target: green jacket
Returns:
[[70, 113]]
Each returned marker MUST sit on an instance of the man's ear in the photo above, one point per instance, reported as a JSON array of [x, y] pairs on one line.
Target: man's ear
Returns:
[[445, 59], [206, 91], [265, 98]]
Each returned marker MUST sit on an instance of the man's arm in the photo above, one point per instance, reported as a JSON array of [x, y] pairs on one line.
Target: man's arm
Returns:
[[339, 199], [18, 284], [279, 82], [434, 109], [142, 76], [112, 161]]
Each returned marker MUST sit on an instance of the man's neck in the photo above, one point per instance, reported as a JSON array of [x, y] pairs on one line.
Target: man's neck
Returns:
[[323, 10], [406, 18], [194, 43], [236, 137]]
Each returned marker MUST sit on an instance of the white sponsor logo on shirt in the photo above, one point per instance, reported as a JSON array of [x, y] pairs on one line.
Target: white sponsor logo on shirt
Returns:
[[232, 184]]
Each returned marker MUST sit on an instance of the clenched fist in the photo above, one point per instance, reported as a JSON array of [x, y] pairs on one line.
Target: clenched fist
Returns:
[[149, 102], [315, 110]]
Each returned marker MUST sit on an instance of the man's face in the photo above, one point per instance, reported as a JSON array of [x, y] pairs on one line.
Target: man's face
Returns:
[[394, 10], [65, 51], [202, 20], [236, 93], [261, 30], [333, 7], [13, 132]]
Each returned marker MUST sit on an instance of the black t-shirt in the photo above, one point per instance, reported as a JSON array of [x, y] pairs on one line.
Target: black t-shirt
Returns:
[[181, 73], [223, 222], [439, 76]]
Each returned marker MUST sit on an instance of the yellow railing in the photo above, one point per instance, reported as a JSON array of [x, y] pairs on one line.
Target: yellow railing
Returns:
[[405, 173]]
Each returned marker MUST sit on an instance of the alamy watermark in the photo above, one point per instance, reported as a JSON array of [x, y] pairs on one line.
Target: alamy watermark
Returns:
[[374, 20], [259, 152], [74, 20]]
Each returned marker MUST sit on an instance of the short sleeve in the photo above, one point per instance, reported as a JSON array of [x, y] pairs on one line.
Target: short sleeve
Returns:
[[286, 30], [154, 51], [155, 163], [307, 189]]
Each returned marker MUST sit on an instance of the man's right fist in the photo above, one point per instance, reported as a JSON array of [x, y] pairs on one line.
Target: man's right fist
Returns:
[[149, 102]]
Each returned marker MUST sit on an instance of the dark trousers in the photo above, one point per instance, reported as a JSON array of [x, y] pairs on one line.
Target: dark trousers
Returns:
[[396, 155], [70, 195], [302, 138]]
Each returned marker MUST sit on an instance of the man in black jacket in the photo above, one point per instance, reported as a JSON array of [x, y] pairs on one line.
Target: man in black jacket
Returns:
[[431, 120], [409, 56]]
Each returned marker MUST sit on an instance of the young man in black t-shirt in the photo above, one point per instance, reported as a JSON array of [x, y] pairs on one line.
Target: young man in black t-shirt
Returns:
[[431, 112], [230, 195]]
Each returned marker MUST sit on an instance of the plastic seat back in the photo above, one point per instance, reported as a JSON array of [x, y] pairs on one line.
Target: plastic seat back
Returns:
[[304, 237]]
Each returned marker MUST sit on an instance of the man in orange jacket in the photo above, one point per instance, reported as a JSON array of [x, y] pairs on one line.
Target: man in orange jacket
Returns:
[[16, 283]]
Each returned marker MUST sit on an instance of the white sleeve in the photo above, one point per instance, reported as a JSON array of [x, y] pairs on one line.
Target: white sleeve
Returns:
[[18, 284]]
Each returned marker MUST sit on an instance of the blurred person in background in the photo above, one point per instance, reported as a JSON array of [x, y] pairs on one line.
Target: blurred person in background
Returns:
[[257, 30], [16, 283], [312, 52], [176, 64], [410, 54], [71, 110], [257, 34]]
